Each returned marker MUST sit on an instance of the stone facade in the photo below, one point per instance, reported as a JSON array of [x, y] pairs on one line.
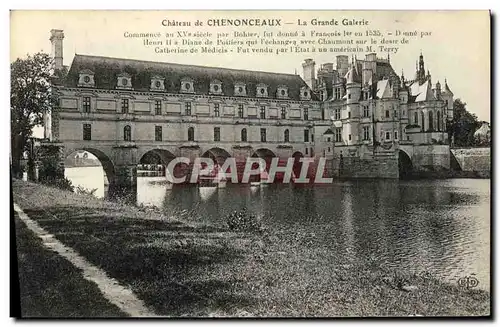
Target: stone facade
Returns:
[[358, 116]]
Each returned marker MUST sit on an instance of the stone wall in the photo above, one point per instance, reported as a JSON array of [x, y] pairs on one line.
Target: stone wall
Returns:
[[472, 159], [431, 158], [378, 167]]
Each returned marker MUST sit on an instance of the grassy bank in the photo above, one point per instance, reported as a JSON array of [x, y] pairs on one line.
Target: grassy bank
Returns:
[[50, 286], [196, 270]]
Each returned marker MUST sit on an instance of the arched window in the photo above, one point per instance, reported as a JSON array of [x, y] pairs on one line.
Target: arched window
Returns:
[[127, 133], [244, 135], [438, 120], [431, 121], [287, 136], [416, 118], [423, 121], [191, 134]]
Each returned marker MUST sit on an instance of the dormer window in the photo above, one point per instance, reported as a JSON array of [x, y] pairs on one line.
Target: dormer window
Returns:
[[282, 92], [262, 90], [305, 93], [240, 89], [157, 83], [187, 85], [86, 78], [216, 87], [124, 81]]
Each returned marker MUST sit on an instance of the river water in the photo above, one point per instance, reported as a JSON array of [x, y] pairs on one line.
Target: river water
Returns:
[[437, 226]]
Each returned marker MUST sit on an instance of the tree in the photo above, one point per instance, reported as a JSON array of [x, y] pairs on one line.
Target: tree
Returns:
[[463, 125], [30, 99]]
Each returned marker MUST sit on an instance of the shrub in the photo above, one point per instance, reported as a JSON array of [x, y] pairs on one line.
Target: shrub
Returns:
[[85, 191], [243, 221]]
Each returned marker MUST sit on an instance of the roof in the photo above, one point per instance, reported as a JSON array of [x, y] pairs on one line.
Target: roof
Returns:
[[421, 92], [447, 89], [106, 71], [383, 89]]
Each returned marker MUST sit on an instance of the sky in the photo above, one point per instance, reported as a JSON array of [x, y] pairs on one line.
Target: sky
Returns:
[[458, 47]]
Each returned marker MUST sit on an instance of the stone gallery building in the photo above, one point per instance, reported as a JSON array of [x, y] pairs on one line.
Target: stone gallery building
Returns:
[[360, 115]]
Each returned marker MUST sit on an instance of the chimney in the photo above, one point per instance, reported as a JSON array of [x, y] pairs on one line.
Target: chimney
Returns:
[[308, 67], [56, 38], [342, 65]]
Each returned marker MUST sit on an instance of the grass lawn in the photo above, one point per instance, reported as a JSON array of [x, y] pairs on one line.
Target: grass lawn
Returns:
[[51, 286], [194, 270]]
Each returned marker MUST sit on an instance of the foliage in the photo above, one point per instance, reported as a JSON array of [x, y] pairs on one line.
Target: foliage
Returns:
[[243, 221], [50, 171], [462, 127], [30, 99], [82, 190]]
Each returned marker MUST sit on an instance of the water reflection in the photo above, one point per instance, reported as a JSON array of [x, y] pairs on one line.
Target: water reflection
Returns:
[[441, 226]]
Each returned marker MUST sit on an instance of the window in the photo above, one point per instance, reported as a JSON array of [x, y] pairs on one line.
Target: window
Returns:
[[438, 116], [283, 112], [396, 135], [336, 114], [306, 114], [158, 133], [337, 93], [306, 135], [349, 96], [312, 138], [216, 110], [191, 134], [366, 111], [244, 135], [328, 139], [157, 107], [395, 113], [86, 104], [423, 120], [387, 135], [187, 106], [415, 118], [216, 134], [127, 133], [263, 135], [262, 112], [349, 137], [338, 135], [446, 102], [240, 110], [431, 121], [287, 136], [348, 114], [366, 133], [307, 151], [87, 132], [125, 106], [387, 114]]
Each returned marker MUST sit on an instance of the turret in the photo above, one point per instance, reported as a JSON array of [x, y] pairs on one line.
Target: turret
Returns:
[[309, 73], [447, 97], [56, 38]]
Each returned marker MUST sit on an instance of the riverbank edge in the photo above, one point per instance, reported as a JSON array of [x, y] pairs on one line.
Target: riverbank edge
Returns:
[[420, 287]]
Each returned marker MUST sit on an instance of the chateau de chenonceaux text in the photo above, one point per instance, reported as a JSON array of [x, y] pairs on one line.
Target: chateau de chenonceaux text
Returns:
[[356, 115]]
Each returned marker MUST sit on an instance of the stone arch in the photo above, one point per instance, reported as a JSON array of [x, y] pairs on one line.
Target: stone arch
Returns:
[[265, 154], [218, 155], [405, 164], [105, 159], [156, 156], [108, 166]]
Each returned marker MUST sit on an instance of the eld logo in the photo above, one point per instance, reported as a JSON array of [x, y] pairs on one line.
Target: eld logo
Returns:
[[468, 282]]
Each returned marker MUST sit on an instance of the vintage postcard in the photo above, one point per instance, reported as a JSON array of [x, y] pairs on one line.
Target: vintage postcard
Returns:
[[250, 163]]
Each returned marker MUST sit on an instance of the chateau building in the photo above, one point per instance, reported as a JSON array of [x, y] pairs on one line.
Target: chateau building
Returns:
[[127, 112]]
